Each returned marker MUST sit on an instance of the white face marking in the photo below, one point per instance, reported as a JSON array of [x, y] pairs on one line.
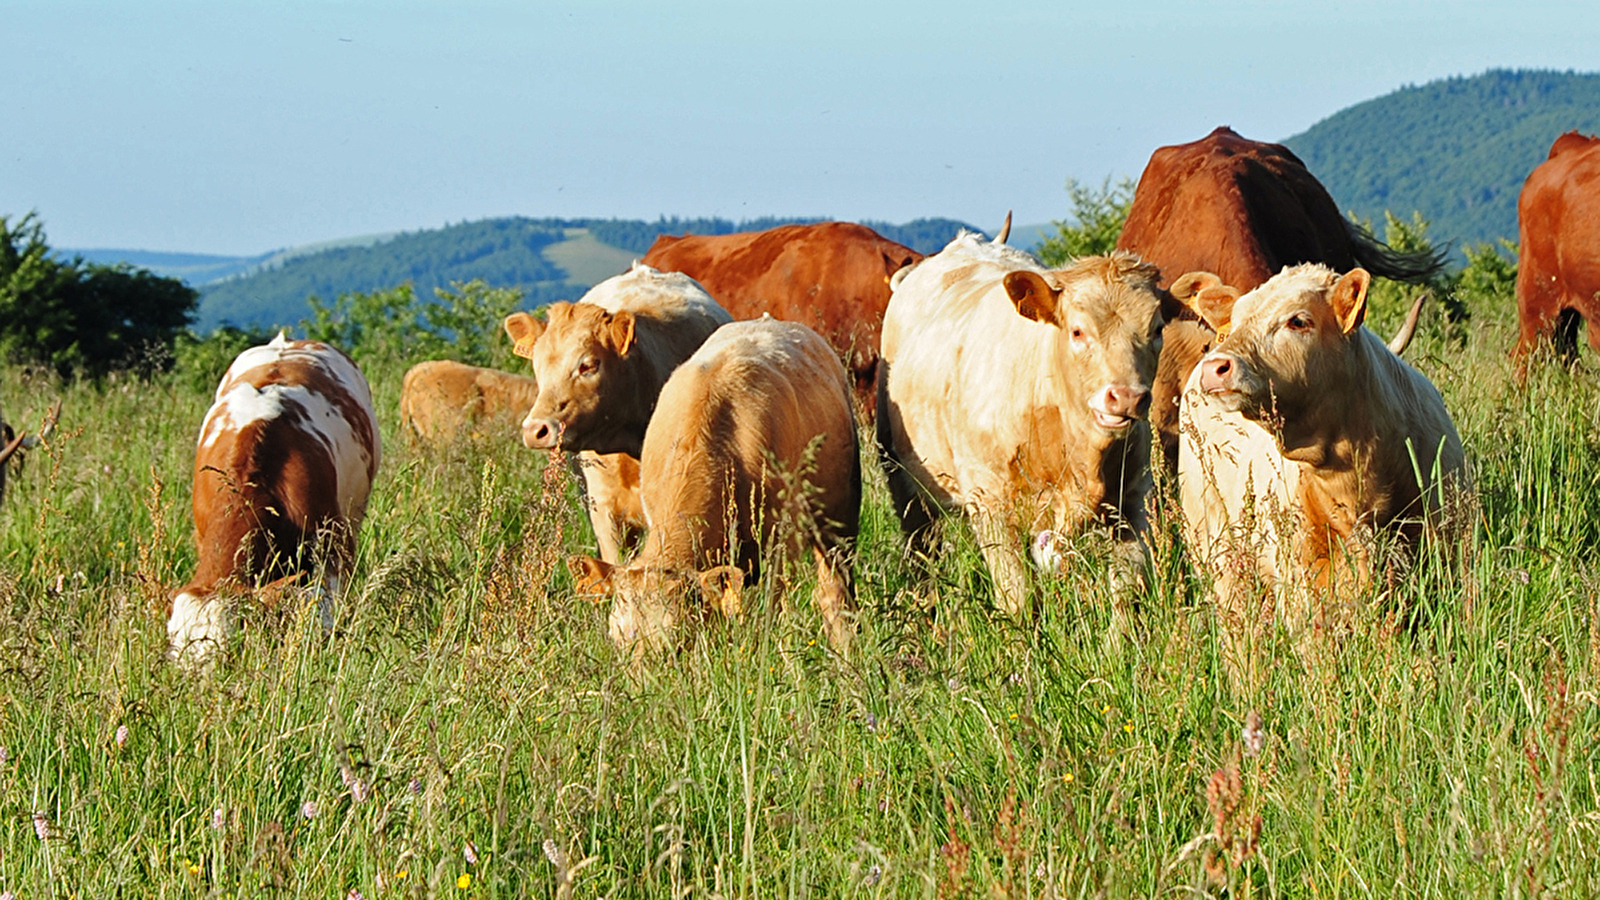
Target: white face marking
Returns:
[[197, 628]]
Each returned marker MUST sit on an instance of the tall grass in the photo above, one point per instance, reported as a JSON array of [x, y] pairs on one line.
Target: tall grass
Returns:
[[469, 731]]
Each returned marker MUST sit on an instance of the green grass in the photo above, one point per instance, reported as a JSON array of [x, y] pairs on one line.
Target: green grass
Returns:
[[471, 699]]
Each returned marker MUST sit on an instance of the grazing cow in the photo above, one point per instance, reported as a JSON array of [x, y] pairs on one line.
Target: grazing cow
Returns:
[[832, 276], [442, 399], [750, 458], [282, 470], [600, 364], [1019, 394], [1558, 223], [1304, 436], [1242, 210]]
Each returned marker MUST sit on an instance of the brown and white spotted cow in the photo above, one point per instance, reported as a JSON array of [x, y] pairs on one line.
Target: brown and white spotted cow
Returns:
[[442, 400], [1303, 436], [600, 364], [751, 456], [1018, 394], [282, 471]]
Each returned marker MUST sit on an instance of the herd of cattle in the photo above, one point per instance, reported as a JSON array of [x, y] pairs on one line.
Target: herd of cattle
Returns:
[[709, 398]]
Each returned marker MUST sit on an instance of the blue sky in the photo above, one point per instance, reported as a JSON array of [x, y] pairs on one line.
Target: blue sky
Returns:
[[241, 127]]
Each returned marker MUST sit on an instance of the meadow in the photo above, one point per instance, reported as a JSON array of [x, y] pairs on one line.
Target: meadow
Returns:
[[469, 732]]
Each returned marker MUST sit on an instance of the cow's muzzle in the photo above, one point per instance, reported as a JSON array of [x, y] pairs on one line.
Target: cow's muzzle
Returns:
[[541, 434], [1118, 406], [1219, 374]]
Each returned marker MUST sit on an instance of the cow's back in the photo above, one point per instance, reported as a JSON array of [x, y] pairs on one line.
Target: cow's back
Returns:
[[761, 405], [289, 447], [829, 276]]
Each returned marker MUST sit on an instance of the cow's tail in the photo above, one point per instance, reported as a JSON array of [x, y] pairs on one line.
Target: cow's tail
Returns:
[[1413, 267]]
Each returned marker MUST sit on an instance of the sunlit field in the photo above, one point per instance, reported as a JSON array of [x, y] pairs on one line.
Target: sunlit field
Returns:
[[469, 731]]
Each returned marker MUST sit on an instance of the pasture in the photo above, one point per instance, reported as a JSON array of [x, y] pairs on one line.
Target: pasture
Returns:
[[470, 732]]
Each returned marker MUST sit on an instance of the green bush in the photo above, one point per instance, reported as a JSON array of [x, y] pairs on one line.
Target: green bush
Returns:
[[82, 319], [1097, 217]]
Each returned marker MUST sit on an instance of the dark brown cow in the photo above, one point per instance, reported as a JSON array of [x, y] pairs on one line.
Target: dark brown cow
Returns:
[[1242, 210], [832, 277], [1558, 223]]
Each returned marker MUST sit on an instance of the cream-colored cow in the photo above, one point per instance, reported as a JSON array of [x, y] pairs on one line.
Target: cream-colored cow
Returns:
[[1302, 436], [1018, 394]]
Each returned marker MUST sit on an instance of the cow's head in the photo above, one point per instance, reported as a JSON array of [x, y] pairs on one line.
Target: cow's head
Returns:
[[650, 604], [1284, 343], [1108, 310], [578, 357]]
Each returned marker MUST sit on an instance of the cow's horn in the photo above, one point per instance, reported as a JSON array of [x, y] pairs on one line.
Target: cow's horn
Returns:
[[11, 449], [1005, 229], [1402, 338]]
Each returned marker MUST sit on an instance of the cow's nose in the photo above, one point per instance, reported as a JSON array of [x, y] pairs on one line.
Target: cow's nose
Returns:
[[539, 434], [1125, 400], [1216, 373]]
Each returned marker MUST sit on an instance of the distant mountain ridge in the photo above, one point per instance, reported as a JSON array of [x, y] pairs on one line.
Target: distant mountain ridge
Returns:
[[1457, 150], [549, 259]]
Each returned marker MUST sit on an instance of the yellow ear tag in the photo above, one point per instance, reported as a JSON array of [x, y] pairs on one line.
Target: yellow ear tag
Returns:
[[1222, 333], [524, 347]]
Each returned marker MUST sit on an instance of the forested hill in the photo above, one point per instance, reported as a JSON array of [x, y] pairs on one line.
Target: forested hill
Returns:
[[549, 259], [1456, 150]]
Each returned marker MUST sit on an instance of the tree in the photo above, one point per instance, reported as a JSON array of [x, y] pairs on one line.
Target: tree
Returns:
[[1097, 217], [79, 318]]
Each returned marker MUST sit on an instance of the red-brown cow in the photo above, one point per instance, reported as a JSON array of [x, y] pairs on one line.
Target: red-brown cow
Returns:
[[282, 471], [831, 276], [1242, 210], [1558, 223]]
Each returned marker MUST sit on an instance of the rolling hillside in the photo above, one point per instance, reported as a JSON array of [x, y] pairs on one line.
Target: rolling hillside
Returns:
[[549, 259], [1457, 150]]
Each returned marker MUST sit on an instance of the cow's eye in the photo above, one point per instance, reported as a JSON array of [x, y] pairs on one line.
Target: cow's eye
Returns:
[[588, 366], [1300, 322], [1077, 333]]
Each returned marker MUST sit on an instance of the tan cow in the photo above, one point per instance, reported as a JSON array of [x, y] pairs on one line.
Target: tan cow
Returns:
[[1302, 436], [282, 472], [1019, 394], [442, 400], [600, 364], [751, 458]]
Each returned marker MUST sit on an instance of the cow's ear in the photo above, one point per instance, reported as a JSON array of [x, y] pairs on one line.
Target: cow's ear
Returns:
[[723, 589], [524, 331], [1034, 297], [1349, 299], [591, 577], [1187, 285], [621, 331]]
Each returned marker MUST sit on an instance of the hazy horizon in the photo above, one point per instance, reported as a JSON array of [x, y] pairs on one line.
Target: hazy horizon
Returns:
[[186, 127]]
